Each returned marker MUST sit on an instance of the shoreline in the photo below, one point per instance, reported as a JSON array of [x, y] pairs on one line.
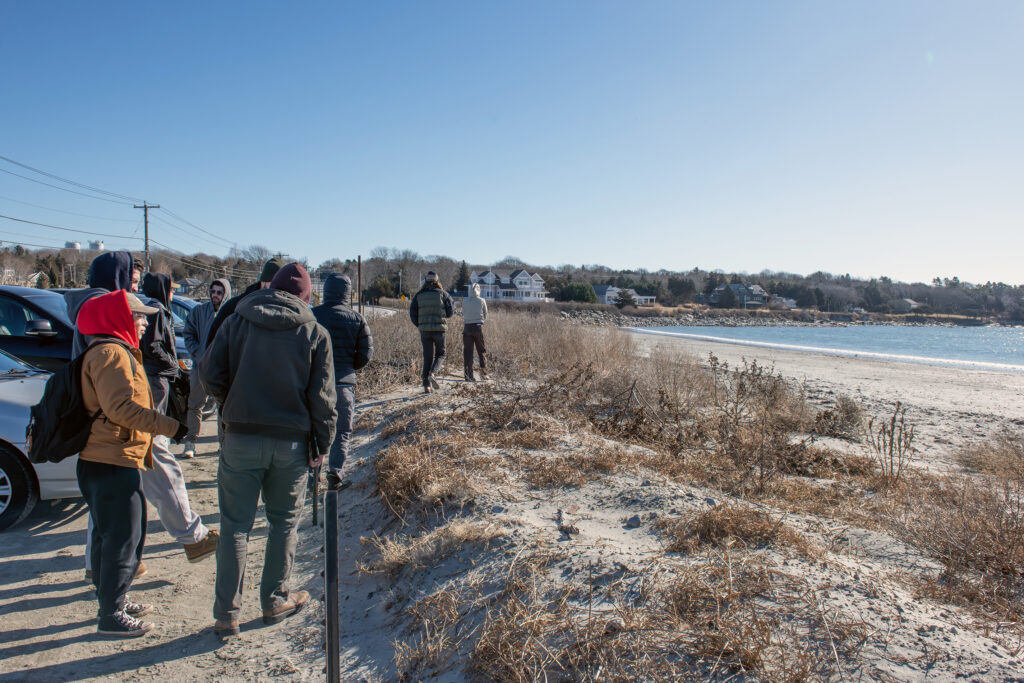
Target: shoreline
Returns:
[[951, 407]]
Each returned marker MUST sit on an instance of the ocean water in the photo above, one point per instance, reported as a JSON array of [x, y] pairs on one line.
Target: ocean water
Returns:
[[992, 348]]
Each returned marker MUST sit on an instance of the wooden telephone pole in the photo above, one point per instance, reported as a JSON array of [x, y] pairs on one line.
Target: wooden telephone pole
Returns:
[[145, 214]]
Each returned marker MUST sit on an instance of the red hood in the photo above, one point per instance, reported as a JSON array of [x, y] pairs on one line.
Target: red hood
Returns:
[[108, 314]]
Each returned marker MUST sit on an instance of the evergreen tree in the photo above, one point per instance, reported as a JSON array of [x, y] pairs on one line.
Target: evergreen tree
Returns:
[[462, 282], [579, 291], [727, 299], [623, 299]]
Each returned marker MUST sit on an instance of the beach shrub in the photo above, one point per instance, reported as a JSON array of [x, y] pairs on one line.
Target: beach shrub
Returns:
[[892, 443], [842, 421]]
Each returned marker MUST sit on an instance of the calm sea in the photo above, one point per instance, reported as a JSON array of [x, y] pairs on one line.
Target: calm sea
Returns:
[[995, 348]]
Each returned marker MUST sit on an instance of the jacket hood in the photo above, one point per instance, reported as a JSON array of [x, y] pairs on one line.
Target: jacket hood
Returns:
[[157, 286], [337, 289], [474, 291], [111, 271], [275, 309], [76, 297], [109, 315], [227, 288]]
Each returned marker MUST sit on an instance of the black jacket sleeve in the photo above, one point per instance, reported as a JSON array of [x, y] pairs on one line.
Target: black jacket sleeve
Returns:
[[449, 305], [414, 311], [215, 367], [157, 343], [364, 347]]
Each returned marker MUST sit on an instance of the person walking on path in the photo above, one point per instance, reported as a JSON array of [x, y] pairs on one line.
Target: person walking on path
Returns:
[[272, 369], [474, 313], [119, 448], [270, 269], [164, 482], [352, 345], [197, 330], [430, 308]]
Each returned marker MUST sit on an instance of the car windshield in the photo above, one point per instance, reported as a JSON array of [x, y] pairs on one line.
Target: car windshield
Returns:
[[53, 304], [9, 365]]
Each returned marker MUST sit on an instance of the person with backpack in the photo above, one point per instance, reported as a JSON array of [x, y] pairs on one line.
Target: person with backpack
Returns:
[[428, 310], [474, 313], [164, 482], [116, 391], [352, 345], [271, 367]]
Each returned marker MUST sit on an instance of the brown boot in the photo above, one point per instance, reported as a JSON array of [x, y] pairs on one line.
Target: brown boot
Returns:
[[295, 602], [226, 628], [197, 552]]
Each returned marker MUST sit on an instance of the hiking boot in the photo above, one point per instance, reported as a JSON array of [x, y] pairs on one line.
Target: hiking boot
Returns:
[[335, 482], [226, 628], [468, 372], [295, 602], [141, 571], [134, 609], [427, 389], [197, 552], [123, 625], [190, 450], [433, 382]]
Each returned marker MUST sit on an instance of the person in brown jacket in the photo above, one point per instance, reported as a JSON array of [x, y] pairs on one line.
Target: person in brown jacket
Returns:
[[116, 390]]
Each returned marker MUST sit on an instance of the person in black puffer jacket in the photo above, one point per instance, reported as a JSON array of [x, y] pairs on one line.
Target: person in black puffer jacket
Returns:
[[353, 349]]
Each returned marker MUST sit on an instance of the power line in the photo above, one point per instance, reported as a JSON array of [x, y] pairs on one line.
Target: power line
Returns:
[[58, 187], [70, 182], [203, 230], [185, 231], [70, 213], [199, 264], [80, 232]]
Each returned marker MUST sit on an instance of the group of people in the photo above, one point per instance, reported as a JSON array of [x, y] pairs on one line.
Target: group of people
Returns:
[[283, 376]]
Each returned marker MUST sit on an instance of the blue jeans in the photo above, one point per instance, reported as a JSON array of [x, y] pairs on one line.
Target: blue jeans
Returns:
[[346, 410]]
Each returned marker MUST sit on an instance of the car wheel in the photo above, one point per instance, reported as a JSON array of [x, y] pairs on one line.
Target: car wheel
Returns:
[[17, 490]]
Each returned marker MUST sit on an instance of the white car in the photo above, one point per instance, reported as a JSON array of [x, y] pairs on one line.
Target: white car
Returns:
[[23, 484]]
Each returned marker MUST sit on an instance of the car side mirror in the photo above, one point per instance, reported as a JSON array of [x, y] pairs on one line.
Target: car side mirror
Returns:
[[39, 328]]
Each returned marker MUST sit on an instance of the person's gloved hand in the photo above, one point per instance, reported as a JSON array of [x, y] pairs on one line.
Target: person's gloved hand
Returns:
[[181, 433], [315, 460]]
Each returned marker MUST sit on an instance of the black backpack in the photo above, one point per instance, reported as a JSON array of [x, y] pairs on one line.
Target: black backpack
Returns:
[[59, 426]]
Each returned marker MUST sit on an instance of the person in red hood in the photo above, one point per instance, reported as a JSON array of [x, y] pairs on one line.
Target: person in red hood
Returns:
[[115, 390]]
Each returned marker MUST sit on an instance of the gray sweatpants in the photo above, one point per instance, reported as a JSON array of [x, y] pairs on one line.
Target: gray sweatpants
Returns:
[[251, 464], [164, 486]]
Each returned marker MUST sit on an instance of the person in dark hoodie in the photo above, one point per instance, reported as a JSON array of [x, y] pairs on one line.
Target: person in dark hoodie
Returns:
[[164, 482], [271, 368], [197, 331], [353, 349], [108, 272], [270, 269], [429, 308]]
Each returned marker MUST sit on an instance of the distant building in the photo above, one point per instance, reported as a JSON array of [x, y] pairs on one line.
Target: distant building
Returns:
[[747, 296], [96, 245], [72, 245], [518, 285], [189, 286], [609, 294], [903, 305], [781, 302]]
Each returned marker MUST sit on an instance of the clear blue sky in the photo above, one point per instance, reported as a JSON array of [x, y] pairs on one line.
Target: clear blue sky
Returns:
[[871, 138]]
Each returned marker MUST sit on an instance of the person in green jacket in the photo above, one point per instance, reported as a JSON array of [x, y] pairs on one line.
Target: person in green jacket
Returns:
[[430, 308]]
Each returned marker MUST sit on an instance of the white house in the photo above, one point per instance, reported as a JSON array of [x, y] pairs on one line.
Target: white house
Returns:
[[516, 286], [608, 294]]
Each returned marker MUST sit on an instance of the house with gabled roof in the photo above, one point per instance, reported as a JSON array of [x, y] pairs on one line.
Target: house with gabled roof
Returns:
[[609, 294], [519, 285]]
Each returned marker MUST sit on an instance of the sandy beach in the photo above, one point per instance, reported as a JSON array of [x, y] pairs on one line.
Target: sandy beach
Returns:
[[949, 406]]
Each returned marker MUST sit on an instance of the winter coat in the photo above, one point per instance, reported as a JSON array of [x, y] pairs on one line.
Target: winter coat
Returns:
[[271, 368], [108, 272], [226, 309], [114, 382], [199, 321], [351, 341], [474, 309], [159, 357], [429, 308]]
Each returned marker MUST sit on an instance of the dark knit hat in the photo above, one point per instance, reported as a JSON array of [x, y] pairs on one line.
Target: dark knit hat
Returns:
[[293, 279], [431, 276], [270, 268]]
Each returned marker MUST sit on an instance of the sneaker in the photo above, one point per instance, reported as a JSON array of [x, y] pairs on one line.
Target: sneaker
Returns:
[[433, 382], [226, 628], [427, 389], [135, 609], [190, 450], [295, 602], [141, 571], [197, 552], [123, 625]]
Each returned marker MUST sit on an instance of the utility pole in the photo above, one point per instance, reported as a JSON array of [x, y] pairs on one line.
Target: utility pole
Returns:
[[145, 215]]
